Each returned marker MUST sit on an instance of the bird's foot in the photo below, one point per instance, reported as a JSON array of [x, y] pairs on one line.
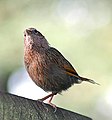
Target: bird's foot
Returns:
[[49, 102], [53, 105], [41, 101]]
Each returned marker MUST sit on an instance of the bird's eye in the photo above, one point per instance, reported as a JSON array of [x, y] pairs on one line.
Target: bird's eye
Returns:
[[35, 31]]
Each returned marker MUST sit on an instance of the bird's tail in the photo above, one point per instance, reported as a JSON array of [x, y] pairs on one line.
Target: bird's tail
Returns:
[[88, 80]]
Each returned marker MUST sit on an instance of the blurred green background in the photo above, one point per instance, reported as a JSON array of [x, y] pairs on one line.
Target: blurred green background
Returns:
[[81, 30]]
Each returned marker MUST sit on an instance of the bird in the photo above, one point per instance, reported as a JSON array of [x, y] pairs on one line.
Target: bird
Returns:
[[47, 67]]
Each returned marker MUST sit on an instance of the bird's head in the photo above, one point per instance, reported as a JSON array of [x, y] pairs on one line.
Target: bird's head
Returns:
[[34, 37]]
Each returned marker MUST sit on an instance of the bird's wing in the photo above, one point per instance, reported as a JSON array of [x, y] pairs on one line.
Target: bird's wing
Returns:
[[63, 66], [58, 59]]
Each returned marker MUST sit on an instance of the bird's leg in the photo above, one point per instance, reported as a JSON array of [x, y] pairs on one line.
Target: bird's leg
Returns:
[[54, 106], [49, 102], [48, 96]]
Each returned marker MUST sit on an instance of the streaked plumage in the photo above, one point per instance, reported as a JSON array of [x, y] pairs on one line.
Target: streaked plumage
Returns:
[[46, 66]]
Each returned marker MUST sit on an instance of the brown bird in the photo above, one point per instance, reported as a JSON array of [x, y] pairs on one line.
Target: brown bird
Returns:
[[47, 67]]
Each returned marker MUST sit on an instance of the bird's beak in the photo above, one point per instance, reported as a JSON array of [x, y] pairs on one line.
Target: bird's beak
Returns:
[[28, 31], [25, 33]]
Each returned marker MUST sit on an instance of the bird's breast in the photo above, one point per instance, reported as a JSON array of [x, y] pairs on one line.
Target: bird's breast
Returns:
[[34, 65]]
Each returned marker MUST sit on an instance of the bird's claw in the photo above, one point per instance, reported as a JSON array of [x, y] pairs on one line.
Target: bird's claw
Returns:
[[54, 106], [41, 101]]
